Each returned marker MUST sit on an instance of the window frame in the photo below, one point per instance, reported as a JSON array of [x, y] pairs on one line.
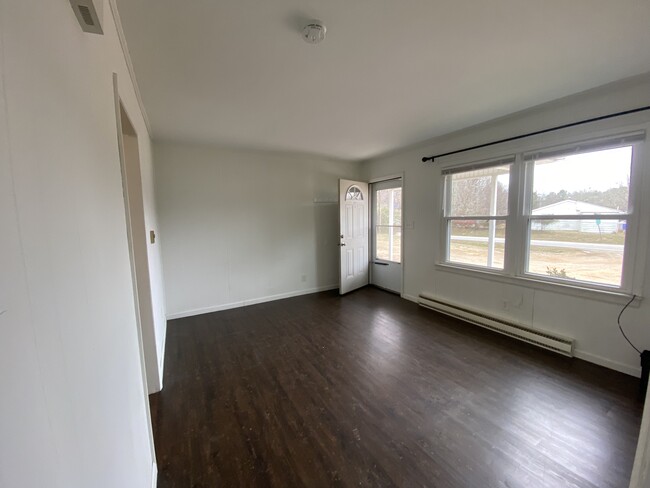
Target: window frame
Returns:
[[508, 160], [389, 184], [519, 219]]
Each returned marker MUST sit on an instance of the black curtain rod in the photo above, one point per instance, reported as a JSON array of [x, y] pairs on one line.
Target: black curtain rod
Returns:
[[544, 131]]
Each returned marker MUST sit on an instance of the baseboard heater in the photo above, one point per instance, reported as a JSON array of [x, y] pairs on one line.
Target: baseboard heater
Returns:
[[540, 338]]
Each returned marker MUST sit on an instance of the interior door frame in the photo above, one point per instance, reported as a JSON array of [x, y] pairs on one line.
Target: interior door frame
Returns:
[[119, 108], [371, 254]]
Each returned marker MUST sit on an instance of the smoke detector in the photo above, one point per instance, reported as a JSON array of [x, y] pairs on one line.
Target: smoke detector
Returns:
[[314, 32]]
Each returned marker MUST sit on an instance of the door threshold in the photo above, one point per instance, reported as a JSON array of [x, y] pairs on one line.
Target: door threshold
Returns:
[[398, 293]]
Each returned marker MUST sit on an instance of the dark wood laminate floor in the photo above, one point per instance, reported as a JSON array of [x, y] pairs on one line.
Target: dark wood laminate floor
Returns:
[[371, 390]]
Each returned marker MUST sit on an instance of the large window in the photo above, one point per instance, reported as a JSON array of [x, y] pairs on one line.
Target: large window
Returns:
[[579, 215], [476, 209], [558, 215]]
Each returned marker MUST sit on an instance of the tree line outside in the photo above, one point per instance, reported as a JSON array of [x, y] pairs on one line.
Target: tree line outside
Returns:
[[471, 196], [616, 198]]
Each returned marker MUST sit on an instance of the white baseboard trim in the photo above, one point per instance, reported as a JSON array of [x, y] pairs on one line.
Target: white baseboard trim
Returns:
[[154, 475], [608, 363], [410, 298], [251, 301]]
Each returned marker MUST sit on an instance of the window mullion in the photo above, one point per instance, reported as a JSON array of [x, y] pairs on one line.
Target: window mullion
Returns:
[[513, 221], [526, 209]]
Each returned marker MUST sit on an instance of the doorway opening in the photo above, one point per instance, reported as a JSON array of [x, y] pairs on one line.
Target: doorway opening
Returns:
[[129, 152], [137, 234], [353, 228]]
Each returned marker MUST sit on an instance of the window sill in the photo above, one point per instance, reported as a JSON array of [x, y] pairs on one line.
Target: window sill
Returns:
[[616, 297]]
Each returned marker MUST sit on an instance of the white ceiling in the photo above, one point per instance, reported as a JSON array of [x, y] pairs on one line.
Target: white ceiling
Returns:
[[389, 74]]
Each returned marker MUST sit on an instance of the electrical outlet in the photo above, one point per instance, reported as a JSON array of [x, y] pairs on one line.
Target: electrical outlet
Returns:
[[303, 278]]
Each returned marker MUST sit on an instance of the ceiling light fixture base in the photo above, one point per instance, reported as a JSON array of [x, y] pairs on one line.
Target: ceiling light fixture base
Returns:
[[314, 32]]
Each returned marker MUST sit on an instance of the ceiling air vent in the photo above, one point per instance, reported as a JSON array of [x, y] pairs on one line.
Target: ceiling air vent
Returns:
[[87, 15]]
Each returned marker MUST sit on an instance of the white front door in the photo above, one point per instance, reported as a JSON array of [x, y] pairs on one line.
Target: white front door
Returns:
[[353, 203], [386, 267]]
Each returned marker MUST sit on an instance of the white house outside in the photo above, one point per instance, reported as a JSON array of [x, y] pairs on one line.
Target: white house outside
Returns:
[[574, 207]]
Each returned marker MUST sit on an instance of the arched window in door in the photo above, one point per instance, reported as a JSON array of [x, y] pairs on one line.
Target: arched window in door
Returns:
[[354, 193]]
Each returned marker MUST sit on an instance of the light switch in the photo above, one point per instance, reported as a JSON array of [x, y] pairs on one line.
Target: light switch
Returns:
[[152, 237]]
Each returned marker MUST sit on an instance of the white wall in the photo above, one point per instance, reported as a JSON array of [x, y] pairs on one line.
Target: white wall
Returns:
[[73, 403], [241, 227], [592, 322]]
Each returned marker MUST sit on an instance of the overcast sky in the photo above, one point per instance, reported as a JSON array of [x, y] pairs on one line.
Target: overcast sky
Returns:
[[598, 170]]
